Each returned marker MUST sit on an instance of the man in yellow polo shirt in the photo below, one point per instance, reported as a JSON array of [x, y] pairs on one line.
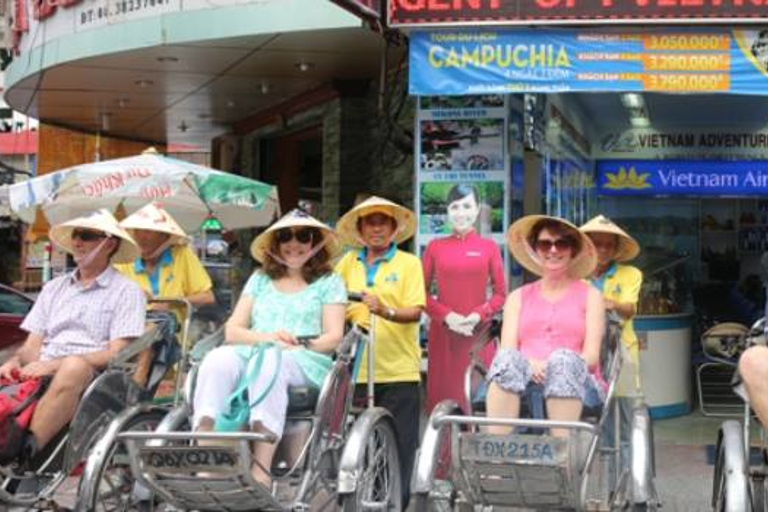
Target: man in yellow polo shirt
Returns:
[[620, 285], [167, 268], [393, 286]]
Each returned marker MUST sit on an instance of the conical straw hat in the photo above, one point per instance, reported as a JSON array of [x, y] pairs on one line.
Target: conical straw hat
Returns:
[[101, 220], [294, 218], [628, 248], [153, 217], [581, 265], [405, 219]]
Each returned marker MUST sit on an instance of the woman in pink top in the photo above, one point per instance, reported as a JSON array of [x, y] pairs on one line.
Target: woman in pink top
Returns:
[[553, 327], [461, 265]]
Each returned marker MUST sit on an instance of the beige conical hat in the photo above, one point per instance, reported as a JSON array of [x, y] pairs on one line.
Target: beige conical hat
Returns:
[[101, 220], [405, 219], [153, 217], [294, 218], [517, 238], [628, 248]]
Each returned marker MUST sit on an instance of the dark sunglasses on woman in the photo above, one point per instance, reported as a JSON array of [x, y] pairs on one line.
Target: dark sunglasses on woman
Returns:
[[87, 236], [302, 235], [560, 244]]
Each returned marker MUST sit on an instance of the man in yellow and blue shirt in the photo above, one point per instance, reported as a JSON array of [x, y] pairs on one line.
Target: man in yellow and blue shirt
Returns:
[[392, 284], [167, 268], [620, 285]]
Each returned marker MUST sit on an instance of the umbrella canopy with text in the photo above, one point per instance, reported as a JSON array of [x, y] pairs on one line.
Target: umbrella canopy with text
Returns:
[[191, 193]]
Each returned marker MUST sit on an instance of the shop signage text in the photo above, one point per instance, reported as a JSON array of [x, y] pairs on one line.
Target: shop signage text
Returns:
[[681, 144], [455, 12], [683, 60], [682, 177]]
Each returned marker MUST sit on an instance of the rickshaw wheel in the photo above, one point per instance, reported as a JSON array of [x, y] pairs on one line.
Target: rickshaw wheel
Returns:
[[378, 487], [729, 491], [116, 479]]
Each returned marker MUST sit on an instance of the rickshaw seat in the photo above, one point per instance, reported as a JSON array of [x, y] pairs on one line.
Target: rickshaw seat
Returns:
[[302, 399]]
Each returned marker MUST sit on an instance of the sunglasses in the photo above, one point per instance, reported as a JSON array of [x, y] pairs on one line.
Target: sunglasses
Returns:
[[87, 236], [303, 236], [560, 244]]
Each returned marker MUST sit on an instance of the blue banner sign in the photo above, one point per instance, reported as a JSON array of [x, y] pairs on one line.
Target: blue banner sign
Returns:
[[681, 60], [682, 177]]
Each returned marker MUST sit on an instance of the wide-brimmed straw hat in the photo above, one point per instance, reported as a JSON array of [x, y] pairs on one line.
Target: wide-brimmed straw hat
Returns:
[[628, 247], [405, 219], [294, 218], [582, 264], [153, 217], [100, 220]]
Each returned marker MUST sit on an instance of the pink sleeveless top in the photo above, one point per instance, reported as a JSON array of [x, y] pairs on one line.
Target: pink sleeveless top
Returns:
[[545, 326]]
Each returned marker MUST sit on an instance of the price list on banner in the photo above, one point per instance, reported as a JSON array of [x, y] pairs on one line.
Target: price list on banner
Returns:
[[712, 60]]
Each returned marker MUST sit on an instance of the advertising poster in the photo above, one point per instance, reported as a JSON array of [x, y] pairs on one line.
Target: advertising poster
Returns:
[[672, 60], [463, 141]]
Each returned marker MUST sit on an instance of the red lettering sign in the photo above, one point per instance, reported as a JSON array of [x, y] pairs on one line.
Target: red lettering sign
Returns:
[[500, 12]]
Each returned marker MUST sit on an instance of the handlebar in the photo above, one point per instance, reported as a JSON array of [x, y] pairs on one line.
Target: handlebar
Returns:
[[355, 296]]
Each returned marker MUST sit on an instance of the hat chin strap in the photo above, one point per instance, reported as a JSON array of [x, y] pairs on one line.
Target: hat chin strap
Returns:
[[162, 247], [88, 258], [301, 261]]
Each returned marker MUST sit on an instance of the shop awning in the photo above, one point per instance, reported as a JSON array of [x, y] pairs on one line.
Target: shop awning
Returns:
[[675, 60]]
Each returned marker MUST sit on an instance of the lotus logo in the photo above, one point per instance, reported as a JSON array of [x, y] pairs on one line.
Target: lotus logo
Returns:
[[624, 179]]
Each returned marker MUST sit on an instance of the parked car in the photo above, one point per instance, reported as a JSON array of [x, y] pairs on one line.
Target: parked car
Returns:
[[14, 306]]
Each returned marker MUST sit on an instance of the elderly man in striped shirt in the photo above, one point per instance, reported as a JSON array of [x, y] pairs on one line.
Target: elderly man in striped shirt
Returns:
[[79, 322]]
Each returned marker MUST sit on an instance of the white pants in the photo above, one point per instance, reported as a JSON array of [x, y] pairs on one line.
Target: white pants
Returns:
[[220, 375]]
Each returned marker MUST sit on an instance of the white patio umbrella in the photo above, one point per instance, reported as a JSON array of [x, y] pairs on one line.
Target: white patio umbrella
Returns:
[[191, 193]]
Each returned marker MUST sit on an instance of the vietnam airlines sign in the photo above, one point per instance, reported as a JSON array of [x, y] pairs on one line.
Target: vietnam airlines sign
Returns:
[[682, 177], [405, 13]]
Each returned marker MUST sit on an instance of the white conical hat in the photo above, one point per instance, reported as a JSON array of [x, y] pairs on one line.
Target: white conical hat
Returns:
[[294, 218], [628, 248], [405, 219], [153, 217], [581, 265], [101, 220]]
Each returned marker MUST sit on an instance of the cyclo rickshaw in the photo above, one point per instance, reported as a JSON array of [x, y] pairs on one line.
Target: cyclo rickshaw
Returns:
[[530, 468], [120, 397], [740, 478], [330, 455]]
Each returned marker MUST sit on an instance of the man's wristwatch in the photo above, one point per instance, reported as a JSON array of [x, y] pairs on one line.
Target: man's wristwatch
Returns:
[[390, 314]]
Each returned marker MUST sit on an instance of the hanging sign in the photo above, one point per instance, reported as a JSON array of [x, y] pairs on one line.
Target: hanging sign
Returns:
[[706, 60], [682, 177], [408, 13], [689, 143]]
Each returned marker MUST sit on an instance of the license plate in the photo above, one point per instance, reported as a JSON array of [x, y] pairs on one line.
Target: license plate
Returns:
[[198, 458], [487, 448]]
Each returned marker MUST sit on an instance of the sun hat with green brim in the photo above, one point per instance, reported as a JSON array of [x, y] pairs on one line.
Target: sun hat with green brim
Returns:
[[628, 248], [293, 219], [581, 265], [404, 218], [100, 220], [153, 217]]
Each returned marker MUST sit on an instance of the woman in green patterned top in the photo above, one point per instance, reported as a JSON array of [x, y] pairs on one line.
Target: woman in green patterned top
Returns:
[[295, 295]]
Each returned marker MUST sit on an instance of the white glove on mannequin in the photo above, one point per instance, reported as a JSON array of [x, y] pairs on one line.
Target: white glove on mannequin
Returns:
[[470, 322], [455, 322]]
